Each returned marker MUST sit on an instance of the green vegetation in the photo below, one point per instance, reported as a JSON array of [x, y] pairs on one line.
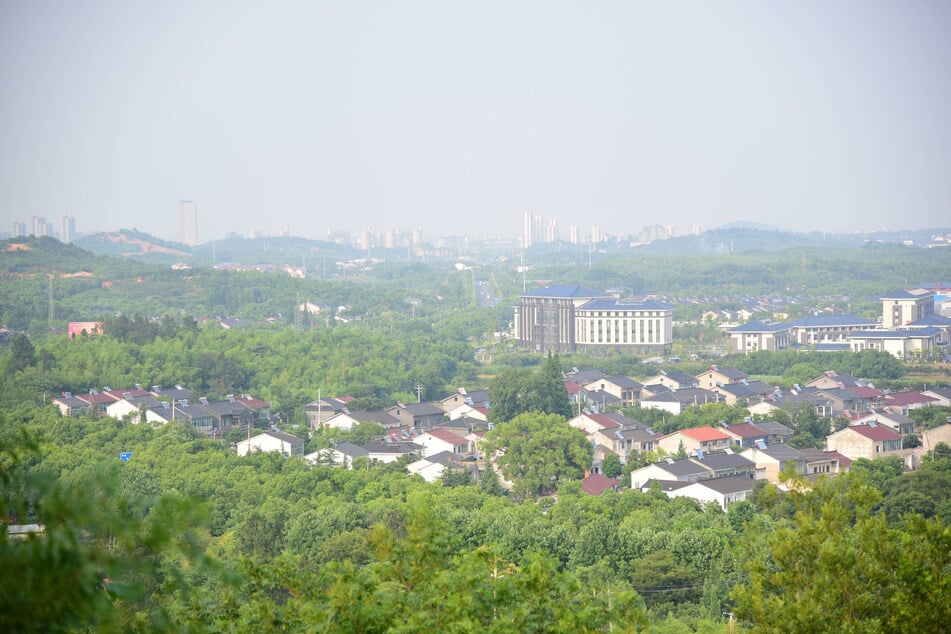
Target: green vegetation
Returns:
[[187, 536]]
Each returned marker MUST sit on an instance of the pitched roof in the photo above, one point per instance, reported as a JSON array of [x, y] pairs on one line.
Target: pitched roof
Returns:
[[747, 430], [563, 292], [730, 373], [728, 484], [908, 398], [773, 428], [914, 293], [816, 321], [760, 326], [718, 460], [596, 484], [446, 435], [623, 382], [873, 432], [279, 435], [908, 333], [603, 420], [780, 452], [703, 434], [621, 305]]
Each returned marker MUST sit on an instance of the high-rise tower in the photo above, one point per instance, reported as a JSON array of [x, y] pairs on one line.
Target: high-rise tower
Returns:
[[187, 222]]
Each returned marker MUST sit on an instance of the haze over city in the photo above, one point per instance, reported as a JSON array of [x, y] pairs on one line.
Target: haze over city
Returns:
[[304, 117]]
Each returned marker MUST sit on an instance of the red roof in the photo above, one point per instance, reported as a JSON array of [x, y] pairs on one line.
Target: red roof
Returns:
[[252, 402], [447, 436], [908, 398], [572, 387], [604, 421], [878, 432], [704, 434], [746, 430], [596, 484]]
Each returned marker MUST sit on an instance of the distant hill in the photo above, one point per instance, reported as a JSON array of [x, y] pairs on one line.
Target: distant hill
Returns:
[[129, 243], [34, 256]]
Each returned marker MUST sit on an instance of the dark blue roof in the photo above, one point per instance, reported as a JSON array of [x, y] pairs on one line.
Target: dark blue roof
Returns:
[[832, 347], [830, 320], [897, 334], [620, 304], [932, 320], [909, 294], [563, 291], [760, 326]]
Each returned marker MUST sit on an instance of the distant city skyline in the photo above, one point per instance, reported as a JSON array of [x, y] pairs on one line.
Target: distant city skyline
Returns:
[[300, 118]]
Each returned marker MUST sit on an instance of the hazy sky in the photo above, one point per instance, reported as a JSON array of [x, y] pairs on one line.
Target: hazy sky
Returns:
[[459, 117]]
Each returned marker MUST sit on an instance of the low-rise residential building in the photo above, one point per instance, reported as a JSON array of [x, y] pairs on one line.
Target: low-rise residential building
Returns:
[[896, 421], [774, 460], [439, 440], [341, 454], [276, 441], [392, 451], [706, 439], [70, 405], [418, 415], [904, 402], [721, 491], [709, 379], [677, 401], [865, 441], [745, 435], [778, 433]]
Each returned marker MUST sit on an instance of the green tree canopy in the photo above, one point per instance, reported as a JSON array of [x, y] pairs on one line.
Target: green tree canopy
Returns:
[[534, 451]]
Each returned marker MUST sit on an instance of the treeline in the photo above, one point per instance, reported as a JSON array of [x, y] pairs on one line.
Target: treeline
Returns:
[[375, 363]]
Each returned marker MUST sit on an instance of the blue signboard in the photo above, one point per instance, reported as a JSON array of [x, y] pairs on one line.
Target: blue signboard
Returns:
[[125, 455]]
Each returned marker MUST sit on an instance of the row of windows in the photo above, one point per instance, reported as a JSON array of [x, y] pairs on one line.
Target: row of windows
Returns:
[[621, 331]]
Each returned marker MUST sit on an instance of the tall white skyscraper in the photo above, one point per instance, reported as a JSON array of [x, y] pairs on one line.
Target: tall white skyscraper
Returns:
[[67, 232], [533, 228], [187, 222]]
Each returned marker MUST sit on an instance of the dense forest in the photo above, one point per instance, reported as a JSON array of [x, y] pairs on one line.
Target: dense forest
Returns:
[[184, 535]]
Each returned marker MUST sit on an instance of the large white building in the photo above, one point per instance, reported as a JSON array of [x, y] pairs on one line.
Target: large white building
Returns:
[[570, 318]]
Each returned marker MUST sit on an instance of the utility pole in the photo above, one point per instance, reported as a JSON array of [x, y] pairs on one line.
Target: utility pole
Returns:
[[419, 393], [51, 311]]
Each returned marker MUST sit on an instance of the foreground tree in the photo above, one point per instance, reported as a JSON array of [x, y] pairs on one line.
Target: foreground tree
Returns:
[[536, 451], [839, 567]]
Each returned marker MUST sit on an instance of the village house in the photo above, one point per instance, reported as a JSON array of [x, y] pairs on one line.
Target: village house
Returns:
[[896, 421], [745, 435], [774, 460], [721, 491], [418, 415], [865, 441], [706, 439], [275, 441], [438, 440], [709, 379], [340, 454], [907, 401]]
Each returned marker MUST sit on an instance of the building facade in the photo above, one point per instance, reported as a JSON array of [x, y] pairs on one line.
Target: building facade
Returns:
[[904, 307], [566, 319]]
